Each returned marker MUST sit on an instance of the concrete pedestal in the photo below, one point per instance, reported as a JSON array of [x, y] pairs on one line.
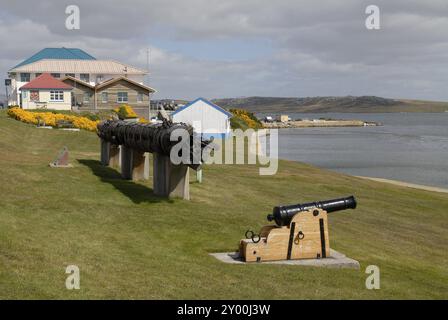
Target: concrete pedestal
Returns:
[[134, 164], [140, 165], [335, 260], [199, 175], [170, 180], [114, 155], [126, 163], [105, 148], [110, 154]]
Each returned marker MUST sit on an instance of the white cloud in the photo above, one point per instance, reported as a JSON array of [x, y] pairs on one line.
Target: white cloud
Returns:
[[317, 48]]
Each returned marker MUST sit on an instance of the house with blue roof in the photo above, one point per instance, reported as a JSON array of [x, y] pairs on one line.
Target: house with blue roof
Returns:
[[57, 53], [207, 118], [97, 84]]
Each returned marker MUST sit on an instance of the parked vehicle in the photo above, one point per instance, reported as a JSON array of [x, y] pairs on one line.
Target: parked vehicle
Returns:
[[155, 120]]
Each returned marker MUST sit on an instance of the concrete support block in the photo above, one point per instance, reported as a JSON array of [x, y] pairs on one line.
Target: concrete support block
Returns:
[[199, 175], [110, 154], [126, 162], [140, 165], [114, 155], [170, 180], [335, 260], [105, 154], [134, 164]]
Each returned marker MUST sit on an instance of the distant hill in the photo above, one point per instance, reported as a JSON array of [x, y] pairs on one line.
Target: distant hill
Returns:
[[365, 104]]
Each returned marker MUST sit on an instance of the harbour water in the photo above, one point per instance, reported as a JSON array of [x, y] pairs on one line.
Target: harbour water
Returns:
[[410, 147]]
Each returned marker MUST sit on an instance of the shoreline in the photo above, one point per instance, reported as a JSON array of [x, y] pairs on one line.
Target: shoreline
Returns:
[[316, 123], [406, 184], [383, 180]]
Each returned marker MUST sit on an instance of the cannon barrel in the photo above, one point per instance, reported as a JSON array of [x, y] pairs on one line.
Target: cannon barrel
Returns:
[[282, 215], [153, 138]]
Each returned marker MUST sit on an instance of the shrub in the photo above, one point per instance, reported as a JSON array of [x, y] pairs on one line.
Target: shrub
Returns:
[[125, 112], [52, 118], [243, 118], [90, 116]]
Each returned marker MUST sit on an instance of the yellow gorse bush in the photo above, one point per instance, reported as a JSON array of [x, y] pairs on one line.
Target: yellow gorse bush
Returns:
[[248, 117], [125, 111], [51, 119]]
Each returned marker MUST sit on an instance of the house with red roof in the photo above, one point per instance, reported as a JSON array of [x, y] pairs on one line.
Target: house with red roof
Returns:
[[97, 84], [46, 92]]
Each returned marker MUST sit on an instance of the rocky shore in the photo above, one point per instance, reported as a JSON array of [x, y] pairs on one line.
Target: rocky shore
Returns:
[[319, 123]]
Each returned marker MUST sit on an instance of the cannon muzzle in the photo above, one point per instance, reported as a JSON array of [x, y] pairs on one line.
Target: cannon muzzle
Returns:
[[284, 214]]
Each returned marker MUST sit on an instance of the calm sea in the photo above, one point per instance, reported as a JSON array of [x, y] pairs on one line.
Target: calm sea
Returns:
[[411, 147]]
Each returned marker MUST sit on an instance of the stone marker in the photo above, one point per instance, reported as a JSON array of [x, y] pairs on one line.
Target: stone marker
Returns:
[[170, 180], [62, 160]]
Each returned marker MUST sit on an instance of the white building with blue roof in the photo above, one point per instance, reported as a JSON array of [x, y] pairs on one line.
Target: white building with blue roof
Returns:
[[206, 118]]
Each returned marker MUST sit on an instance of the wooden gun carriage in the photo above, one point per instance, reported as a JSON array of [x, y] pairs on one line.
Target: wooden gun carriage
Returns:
[[300, 232]]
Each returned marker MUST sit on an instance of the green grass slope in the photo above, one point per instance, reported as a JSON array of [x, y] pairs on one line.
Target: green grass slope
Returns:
[[131, 244]]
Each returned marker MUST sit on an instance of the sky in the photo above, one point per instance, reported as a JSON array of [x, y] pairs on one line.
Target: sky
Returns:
[[235, 48]]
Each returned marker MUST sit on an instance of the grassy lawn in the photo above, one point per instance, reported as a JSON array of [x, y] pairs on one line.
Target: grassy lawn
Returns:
[[131, 244]]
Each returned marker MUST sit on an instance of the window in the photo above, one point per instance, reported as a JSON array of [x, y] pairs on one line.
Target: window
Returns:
[[56, 75], [56, 96], [70, 75], [122, 97], [84, 77], [25, 77], [86, 97], [99, 78], [139, 97], [38, 75], [25, 94], [104, 97], [34, 95]]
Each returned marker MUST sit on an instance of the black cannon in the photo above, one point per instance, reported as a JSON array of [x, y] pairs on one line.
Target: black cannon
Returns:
[[282, 215], [153, 138]]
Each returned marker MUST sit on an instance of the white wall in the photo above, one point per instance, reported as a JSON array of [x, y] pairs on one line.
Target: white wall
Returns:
[[211, 120], [44, 98], [14, 92]]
